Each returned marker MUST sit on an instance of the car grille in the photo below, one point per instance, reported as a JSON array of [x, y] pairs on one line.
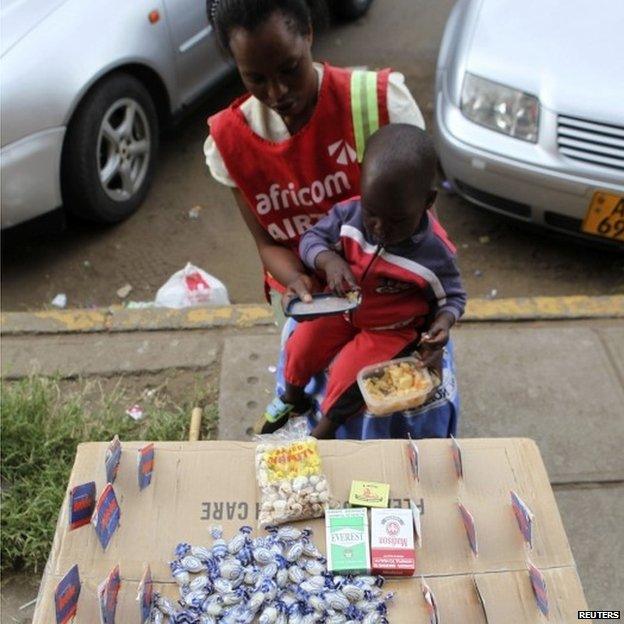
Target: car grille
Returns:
[[591, 142]]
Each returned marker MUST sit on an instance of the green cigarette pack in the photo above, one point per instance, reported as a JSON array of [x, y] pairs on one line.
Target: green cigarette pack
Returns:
[[348, 546]]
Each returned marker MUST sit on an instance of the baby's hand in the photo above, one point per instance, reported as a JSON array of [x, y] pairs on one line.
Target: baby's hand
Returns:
[[435, 338], [438, 334], [431, 359], [337, 273], [339, 277], [432, 342]]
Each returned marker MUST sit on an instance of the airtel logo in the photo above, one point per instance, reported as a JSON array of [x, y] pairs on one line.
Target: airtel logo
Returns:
[[344, 153]]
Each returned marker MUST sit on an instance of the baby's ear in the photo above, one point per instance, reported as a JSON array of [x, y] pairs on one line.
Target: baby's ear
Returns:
[[431, 198]]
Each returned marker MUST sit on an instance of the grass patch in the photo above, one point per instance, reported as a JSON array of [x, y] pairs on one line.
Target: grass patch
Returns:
[[41, 426]]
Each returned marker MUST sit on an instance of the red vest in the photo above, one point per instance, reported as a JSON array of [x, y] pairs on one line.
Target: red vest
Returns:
[[292, 184]]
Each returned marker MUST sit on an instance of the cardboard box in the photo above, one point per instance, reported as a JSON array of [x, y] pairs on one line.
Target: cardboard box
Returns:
[[392, 542], [197, 485], [347, 541]]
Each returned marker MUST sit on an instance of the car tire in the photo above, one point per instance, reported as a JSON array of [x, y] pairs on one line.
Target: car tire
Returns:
[[110, 151], [351, 9]]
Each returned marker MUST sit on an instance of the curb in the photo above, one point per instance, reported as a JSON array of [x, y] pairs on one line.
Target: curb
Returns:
[[240, 316]]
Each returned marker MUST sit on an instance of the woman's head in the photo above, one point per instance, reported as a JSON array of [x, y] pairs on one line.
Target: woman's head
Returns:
[[270, 41]]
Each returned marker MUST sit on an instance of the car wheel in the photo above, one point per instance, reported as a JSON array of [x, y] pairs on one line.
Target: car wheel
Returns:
[[110, 151], [351, 9]]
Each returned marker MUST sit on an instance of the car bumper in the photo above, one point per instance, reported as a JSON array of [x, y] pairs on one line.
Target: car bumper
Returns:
[[31, 180], [537, 187]]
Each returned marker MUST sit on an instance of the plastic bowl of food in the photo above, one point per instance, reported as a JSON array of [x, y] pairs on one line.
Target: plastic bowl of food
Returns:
[[395, 386]]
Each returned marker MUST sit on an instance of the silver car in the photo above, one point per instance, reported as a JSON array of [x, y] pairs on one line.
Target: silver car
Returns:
[[530, 111], [85, 87]]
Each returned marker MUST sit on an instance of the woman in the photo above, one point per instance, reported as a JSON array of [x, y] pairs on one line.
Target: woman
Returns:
[[291, 148]]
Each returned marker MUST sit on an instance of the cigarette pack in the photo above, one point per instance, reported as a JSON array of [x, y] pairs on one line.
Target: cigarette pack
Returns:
[[346, 532], [392, 542]]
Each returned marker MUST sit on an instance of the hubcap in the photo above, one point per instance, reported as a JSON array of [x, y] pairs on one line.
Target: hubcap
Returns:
[[123, 149]]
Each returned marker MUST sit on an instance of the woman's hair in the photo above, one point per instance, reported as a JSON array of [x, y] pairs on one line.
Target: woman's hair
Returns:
[[225, 15]]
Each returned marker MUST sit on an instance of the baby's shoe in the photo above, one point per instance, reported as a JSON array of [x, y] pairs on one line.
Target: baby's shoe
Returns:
[[277, 414]]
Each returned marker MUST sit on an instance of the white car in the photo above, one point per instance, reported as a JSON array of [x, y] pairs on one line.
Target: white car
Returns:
[[530, 112], [85, 86]]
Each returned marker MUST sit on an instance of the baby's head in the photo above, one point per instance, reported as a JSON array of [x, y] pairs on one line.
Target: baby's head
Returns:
[[397, 182]]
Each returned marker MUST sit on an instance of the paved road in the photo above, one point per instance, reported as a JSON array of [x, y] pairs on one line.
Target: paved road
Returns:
[[90, 264]]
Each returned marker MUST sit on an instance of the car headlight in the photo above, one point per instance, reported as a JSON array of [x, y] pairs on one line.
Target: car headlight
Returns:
[[500, 108]]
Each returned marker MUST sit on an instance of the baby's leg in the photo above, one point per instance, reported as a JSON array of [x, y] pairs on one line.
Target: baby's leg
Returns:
[[343, 398], [325, 429], [310, 349]]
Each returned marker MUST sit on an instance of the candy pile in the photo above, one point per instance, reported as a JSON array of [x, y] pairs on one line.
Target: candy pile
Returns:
[[278, 579], [291, 482]]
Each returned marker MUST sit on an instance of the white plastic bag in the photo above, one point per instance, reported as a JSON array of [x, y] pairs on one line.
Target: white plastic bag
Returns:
[[191, 287]]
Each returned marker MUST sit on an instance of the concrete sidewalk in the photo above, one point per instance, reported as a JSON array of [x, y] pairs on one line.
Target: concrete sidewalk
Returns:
[[558, 382]]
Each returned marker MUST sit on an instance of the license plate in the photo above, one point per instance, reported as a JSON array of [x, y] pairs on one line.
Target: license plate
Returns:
[[605, 216]]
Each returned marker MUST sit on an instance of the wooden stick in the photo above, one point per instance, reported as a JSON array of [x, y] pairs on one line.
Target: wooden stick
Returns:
[[196, 417]]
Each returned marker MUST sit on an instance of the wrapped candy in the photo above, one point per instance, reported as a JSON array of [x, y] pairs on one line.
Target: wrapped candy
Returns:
[[353, 592], [179, 573], [296, 574], [230, 569], [294, 552], [182, 549], [284, 581], [201, 552], [238, 542], [268, 615], [337, 600], [219, 546], [213, 605], [165, 605], [199, 582], [191, 564]]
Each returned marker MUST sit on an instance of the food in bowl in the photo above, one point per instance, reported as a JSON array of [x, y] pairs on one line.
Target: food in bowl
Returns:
[[397, 379], [395, 385]]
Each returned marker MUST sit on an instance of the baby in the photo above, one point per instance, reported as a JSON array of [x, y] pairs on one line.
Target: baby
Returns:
[[389, 247]]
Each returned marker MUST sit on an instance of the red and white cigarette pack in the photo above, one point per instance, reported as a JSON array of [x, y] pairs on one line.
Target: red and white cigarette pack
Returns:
[[392, 542]]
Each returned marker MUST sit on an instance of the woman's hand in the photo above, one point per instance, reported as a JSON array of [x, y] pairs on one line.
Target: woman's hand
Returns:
[[302, 286], [337, 273]]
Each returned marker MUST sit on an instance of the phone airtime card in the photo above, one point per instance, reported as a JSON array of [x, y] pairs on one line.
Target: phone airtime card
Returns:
[[146, 465], [106, 516], [66, 596], [413, 456], [113, 455], [457, 458], [417, 525], [524, 516], [107, 593], [471, 530], [146, 595], [430, 601], [538, 582], [81, 504]]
